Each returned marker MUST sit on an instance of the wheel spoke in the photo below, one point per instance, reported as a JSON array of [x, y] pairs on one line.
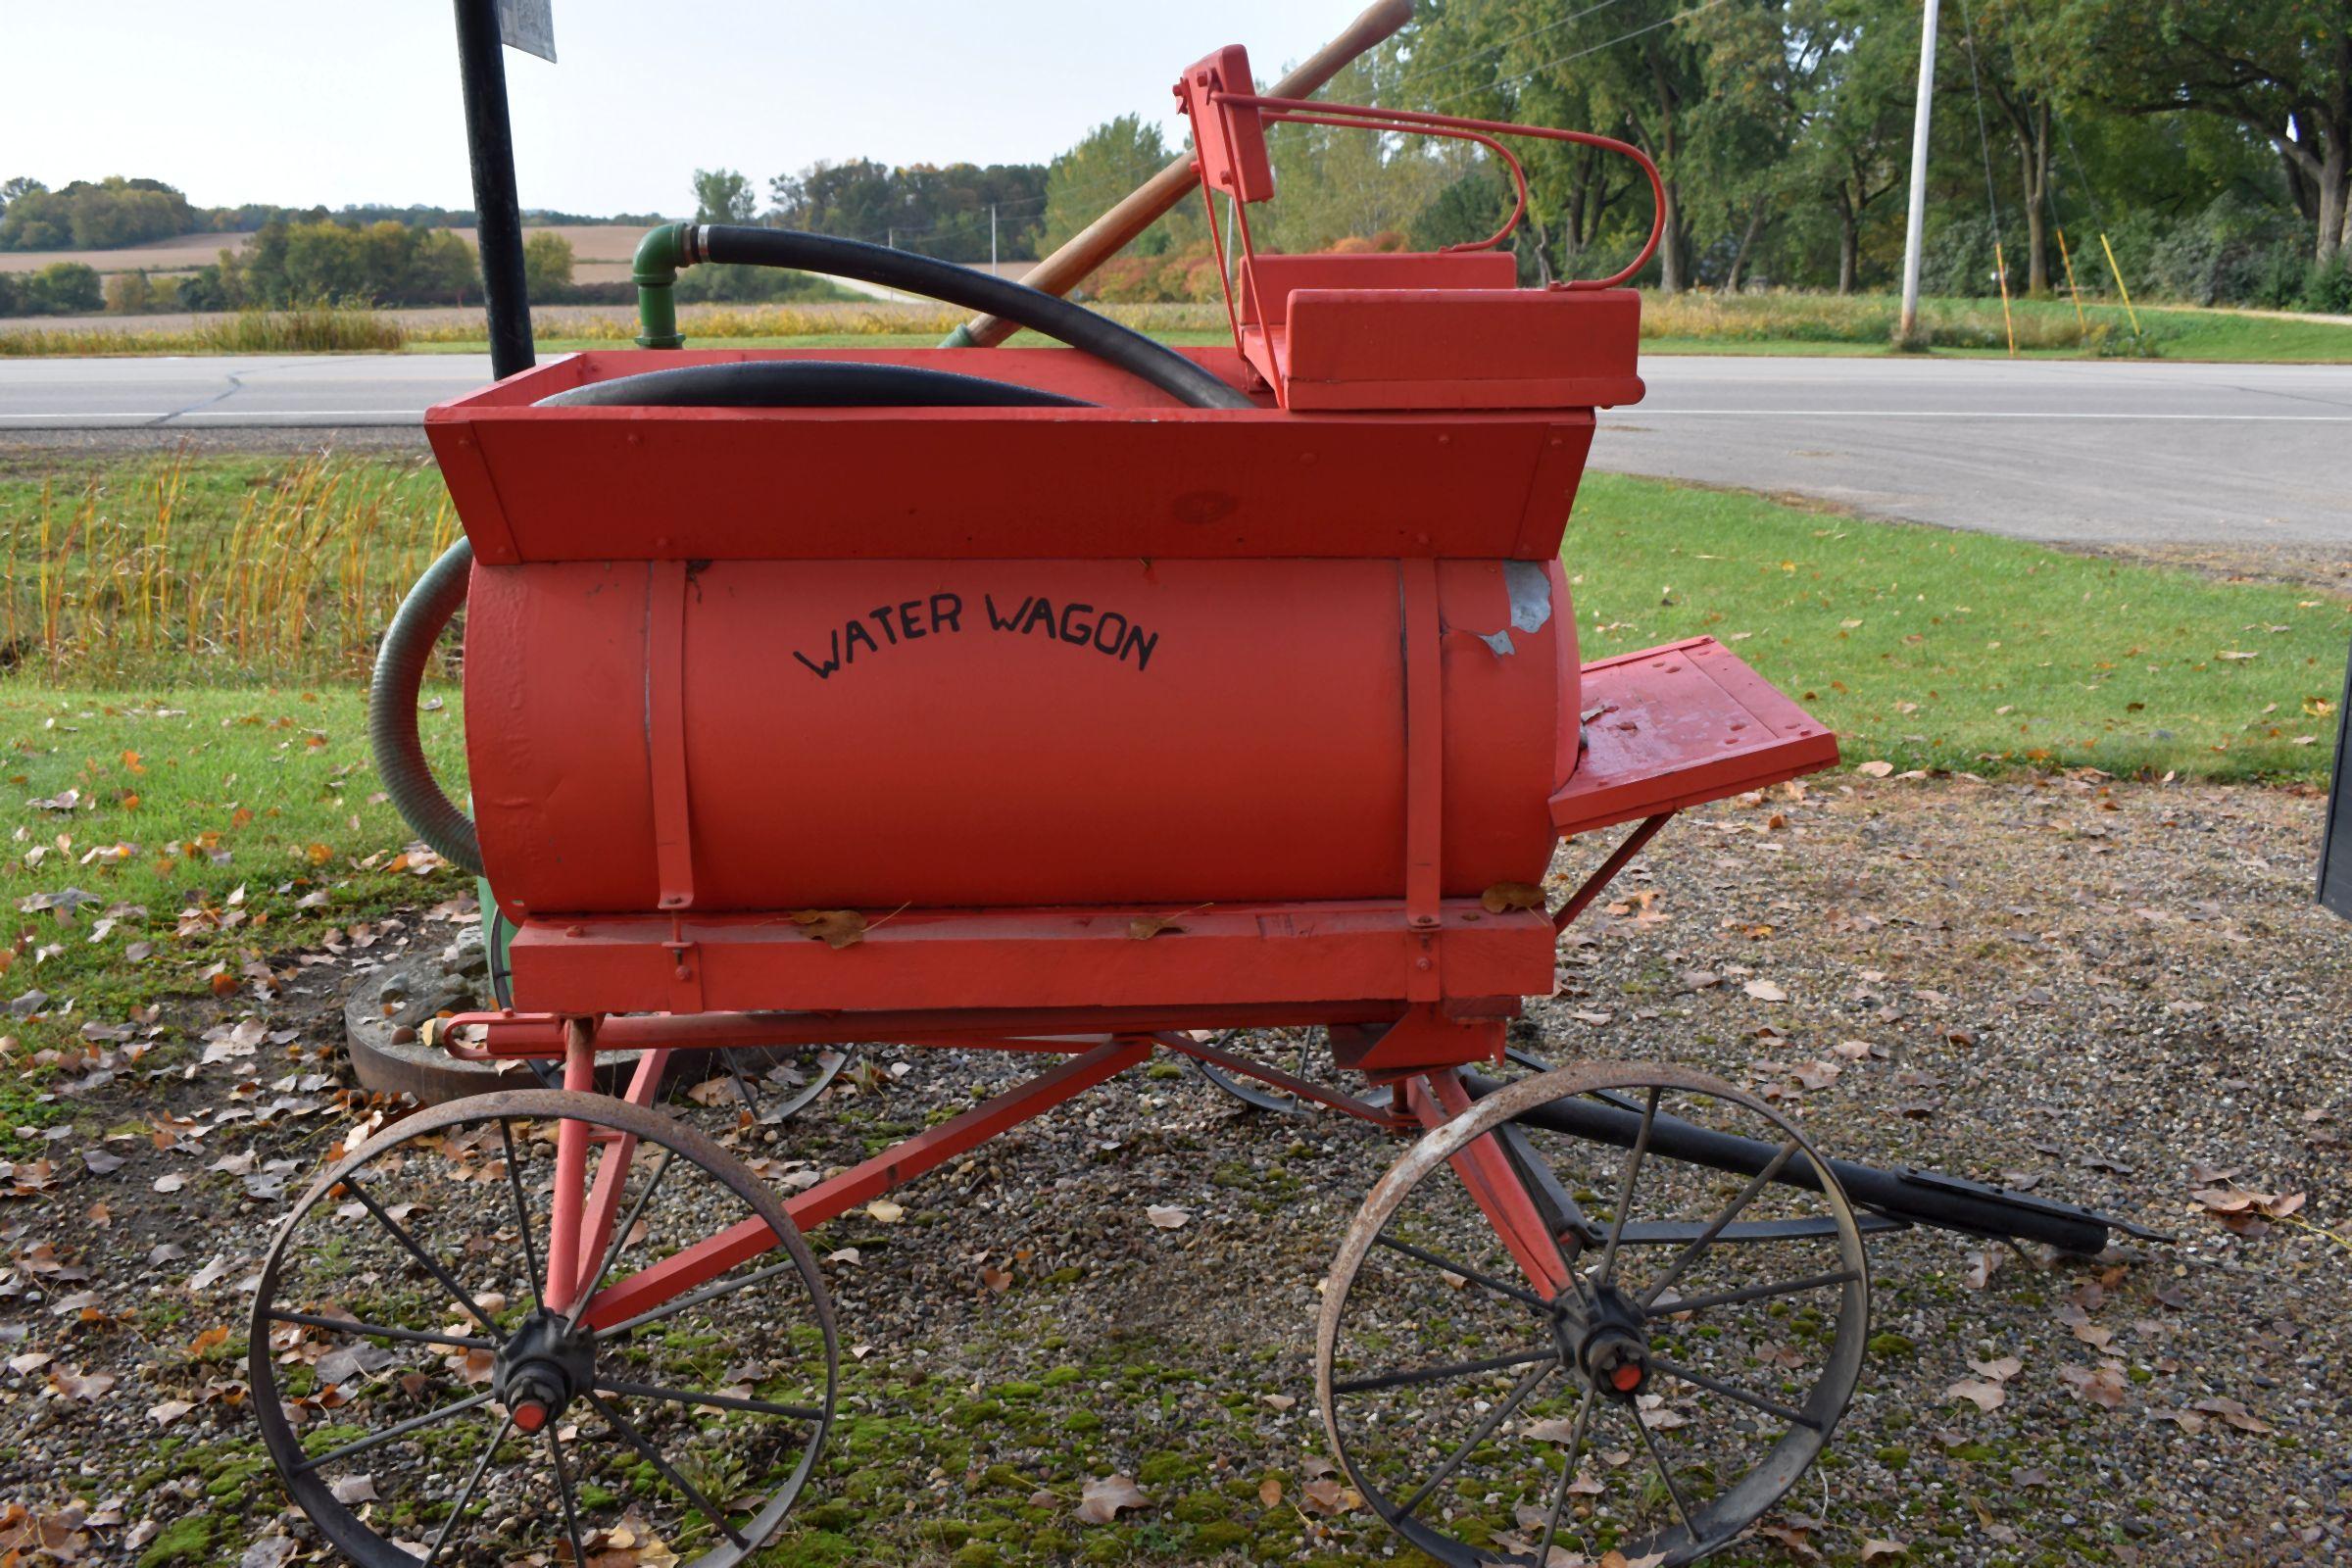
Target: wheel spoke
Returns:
[[415, 1423], [1753, 1400], [572, 1509], [692, 1298], [620, 1240], [466, 1493], [1486, 1429], [1559, 1497], [693, 1493], [352, 1325], [522, 1212], [743, 1085], [1753, 1293], [1730, 1212], [717, 1401], [1665, 1473], [1625, 1187], [1438, 1374], [1462, 1271], [458, 1293]]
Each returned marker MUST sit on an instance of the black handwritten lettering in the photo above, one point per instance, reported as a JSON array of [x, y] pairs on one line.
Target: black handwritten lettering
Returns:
[[1002, 622], [881, 614], [946, 618], [910, 622], [1071, 624], [1143, 644], [854, 633], [824, 672], [1042, 614], [1104, 638]]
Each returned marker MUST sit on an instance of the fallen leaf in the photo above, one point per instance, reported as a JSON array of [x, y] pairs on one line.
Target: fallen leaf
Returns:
[[1881, 1550], [835, 929], [1765, 991], [1166, 1216], [1504, 897], [1984, 1395], [170, 1411], [1875, 770], [354, 1488], [885, 1213], [1269, 1492], [1100, 1501]]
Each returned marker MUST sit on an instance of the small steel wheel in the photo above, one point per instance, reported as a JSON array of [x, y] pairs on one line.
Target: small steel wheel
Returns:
[[1290, 1049], [425, 1395], [1536, 1349]]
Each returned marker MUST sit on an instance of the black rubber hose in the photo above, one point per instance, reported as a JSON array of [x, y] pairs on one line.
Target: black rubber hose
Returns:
[[804, 384], [392, 709], [732, 245], [439, 594]]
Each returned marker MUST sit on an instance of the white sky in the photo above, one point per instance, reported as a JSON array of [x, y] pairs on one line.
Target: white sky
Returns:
[[335, 102]]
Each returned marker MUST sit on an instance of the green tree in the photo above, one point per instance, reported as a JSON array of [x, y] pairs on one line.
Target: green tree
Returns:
[[546, 265], [129, 293], [64, 288], [2280, 71], [723, 196], [1108, 162]]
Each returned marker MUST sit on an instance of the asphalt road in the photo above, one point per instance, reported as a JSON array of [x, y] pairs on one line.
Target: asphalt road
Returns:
[[2079, 452]]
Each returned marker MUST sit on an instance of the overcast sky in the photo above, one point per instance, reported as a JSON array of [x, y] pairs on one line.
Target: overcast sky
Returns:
[[303, 101]]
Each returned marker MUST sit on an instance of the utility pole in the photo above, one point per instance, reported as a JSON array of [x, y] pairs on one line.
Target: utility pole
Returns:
[[891, 237], [1919, 174], [992, 236]]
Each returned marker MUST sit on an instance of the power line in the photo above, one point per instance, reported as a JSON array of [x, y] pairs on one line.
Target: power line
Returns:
[[1537, 70], [1460, 60]]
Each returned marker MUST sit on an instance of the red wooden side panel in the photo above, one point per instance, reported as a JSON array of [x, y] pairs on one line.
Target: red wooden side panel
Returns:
[[1273, 279], [1679, 725], [1029, 958], [1460, 348]]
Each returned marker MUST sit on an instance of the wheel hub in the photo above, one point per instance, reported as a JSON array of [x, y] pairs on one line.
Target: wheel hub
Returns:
[[542, 1369], [1600, 1333]]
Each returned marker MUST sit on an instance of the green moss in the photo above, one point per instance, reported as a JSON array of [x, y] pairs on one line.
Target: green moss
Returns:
[[186, 1540], [1891, 1344], [1168, 1466]]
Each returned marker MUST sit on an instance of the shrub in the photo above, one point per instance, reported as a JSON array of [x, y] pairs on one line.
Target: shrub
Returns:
[[62, 288], [2327, 286]]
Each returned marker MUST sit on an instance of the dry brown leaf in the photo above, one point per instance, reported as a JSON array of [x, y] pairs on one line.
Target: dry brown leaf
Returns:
[[1984, 1395], [1269, 1492], [835, 929], [1504, 897], [1765, 991], [1100, 1501], [1167, 1217], [1883, 1550]]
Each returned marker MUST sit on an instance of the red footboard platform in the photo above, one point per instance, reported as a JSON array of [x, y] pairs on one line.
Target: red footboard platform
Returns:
[[1680, 725]]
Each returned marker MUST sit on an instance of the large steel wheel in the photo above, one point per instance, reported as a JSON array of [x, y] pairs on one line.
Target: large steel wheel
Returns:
[[1534, 1347], [422, 1399]]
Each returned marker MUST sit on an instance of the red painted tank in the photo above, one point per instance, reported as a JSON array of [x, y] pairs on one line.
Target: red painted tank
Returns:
[[868, 734], [775, 659]]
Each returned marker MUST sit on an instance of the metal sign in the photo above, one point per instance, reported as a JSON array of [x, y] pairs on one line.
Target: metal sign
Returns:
[[528, 26], [2336, 838]]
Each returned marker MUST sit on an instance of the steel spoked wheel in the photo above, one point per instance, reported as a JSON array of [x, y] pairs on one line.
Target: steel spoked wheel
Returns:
[[1535, 1349], [1291, 1050], [426, 1395]]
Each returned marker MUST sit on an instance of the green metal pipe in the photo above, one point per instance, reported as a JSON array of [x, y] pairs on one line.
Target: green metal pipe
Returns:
[[654, 271]]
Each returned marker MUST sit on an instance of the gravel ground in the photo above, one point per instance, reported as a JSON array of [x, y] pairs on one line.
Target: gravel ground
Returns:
[[2118, 995]]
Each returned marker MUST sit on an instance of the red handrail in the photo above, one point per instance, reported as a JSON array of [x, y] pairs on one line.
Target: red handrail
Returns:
[[1411, 121]]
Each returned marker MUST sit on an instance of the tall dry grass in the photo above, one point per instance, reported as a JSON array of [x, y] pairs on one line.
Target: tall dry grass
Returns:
[[305, 329], [104, 582], [1875, 319]]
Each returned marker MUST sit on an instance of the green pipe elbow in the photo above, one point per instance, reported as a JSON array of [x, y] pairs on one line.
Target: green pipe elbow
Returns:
[[655, 271]]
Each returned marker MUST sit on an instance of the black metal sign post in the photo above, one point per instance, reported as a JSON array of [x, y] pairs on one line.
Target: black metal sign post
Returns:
[[490, 142], [2335, 837]]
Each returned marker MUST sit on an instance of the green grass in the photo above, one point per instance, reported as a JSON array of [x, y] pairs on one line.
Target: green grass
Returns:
[[1930, 647], [212, 814]]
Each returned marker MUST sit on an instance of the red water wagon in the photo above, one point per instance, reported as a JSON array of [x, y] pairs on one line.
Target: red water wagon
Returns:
[[1093, 701]]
